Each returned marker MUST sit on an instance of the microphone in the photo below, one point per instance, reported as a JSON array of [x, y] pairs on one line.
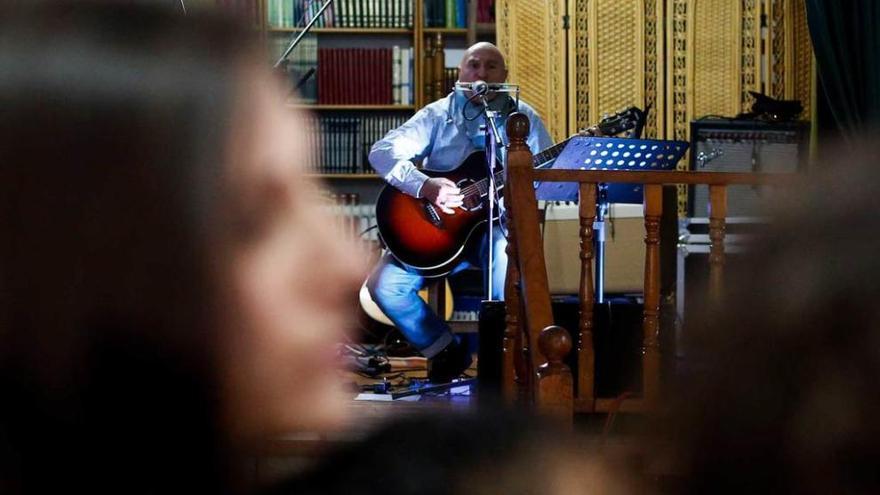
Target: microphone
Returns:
[[480, 87]]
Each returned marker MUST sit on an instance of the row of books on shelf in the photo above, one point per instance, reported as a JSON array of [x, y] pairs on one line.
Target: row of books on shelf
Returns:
[[349, 76], [341, 13], [342, 144], [446, 13], [355, 218], [365, 76]]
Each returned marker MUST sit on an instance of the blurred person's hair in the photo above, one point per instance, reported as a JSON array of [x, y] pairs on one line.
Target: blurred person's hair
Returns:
[[113, 124], [786, 400]]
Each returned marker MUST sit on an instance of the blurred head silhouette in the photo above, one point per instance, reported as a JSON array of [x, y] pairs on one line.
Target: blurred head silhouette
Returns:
[[786, 400], [163, 300]]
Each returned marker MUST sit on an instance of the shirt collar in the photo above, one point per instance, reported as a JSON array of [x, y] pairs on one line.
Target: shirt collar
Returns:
[[457, 101]]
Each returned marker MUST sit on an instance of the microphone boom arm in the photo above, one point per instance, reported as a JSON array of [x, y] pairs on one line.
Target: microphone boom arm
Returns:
[[301, 34]]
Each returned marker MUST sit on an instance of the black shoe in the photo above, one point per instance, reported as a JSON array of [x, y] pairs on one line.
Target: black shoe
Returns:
[[450, 363]]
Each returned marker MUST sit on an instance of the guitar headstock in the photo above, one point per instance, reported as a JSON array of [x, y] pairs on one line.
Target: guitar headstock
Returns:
[[622, 121]]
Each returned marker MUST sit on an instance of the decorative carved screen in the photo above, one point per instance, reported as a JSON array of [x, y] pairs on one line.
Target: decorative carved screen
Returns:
[[532, 38], [617, 47]]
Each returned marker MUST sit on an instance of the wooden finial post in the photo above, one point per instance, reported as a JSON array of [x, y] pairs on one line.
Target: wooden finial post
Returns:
[[518, 368], [554, 392], [517, 131]]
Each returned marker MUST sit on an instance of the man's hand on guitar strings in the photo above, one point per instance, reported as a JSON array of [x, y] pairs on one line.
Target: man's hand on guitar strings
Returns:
[[443, 193]]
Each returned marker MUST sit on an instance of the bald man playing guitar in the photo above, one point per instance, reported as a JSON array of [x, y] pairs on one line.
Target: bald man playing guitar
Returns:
[[433, 220], [441, 136]]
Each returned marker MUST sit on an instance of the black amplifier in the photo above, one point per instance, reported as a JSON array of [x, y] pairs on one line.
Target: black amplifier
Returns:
[[730, 145]]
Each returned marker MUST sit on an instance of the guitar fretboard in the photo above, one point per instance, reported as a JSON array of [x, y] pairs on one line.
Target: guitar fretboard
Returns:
[[549, 154], [481, 187]]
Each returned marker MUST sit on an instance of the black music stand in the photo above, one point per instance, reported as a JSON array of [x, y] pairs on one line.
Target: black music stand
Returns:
[[606, 153]]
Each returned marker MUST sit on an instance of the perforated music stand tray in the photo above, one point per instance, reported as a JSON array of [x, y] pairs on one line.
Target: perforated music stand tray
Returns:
[[606, 153]]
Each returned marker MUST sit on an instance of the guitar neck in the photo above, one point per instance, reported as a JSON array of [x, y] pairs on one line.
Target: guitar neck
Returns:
[[539, 159], [549, 153]]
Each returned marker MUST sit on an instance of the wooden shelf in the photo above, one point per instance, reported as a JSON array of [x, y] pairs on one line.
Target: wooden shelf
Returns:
[[346, 176], [461, 31], [352, 107], [343, 30], [485, 27]]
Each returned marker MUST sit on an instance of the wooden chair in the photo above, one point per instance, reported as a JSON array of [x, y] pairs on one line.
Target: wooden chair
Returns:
[[533, 369]]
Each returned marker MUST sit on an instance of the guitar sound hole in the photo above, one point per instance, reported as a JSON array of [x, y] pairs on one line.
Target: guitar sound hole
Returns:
[[472, 200], [472, 203]]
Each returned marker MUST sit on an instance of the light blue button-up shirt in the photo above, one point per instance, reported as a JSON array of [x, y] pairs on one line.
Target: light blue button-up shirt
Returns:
[[441, 136]]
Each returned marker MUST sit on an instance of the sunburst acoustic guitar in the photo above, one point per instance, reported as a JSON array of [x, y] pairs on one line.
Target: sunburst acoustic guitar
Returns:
[[429, 241]]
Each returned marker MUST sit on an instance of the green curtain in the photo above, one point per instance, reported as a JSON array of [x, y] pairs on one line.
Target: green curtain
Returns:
[[846, 41]]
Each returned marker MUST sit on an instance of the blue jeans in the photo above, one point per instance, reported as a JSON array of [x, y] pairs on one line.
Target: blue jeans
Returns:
[[395, 289]]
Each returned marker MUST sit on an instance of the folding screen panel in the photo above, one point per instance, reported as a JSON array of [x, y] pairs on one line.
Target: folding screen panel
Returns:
[[532, 36], [614, 61]]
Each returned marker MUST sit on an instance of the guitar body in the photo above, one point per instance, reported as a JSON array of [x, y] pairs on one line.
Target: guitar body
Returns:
[[421, 236]]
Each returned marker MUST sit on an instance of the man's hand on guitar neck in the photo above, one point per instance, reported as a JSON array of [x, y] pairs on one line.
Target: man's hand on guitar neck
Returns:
[[443, 193]]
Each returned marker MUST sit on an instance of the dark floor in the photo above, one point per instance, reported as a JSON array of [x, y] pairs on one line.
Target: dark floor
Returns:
[[624, 437]]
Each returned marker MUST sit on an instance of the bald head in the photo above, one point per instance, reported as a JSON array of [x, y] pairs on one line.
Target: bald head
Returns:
[[483, 61]]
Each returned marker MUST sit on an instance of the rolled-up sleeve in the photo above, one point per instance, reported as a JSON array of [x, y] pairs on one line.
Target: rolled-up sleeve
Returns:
[[392, 156]]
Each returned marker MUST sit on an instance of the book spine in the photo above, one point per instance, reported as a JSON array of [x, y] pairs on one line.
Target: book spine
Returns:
[[322, 75], [312, 46], [406, 93], [387, 75], [376, 70], [271, 6], [461, 9], [395, 75], [428, 10], [339, 76], [450, 14], [380, 13], [333, 67]]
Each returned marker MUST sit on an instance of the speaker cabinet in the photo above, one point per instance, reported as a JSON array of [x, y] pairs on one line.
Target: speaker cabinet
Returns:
[[728, 145]]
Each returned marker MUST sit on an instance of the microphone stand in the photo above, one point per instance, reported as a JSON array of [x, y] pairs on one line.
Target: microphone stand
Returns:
[[493, 140], [302, 33]]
